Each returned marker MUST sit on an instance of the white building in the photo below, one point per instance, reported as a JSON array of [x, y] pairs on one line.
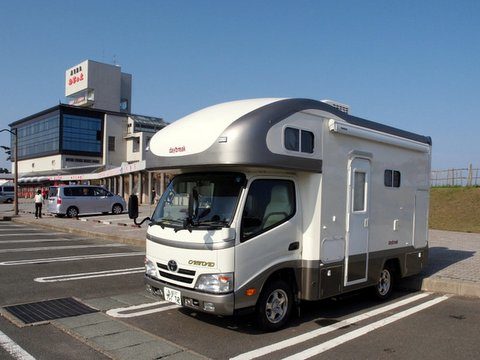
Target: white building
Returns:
[[93, 139]]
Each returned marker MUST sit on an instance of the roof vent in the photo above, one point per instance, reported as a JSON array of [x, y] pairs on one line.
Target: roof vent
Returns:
[[342, 107]]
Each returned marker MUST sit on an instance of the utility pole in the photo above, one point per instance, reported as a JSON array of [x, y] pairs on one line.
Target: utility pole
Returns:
[[15, 176]]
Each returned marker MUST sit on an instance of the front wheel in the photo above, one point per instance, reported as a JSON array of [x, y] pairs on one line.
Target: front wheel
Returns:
[[385, 282], [117, 209], [274, 305]]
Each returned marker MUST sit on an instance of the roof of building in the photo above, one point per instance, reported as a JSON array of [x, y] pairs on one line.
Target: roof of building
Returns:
[[66, 106]]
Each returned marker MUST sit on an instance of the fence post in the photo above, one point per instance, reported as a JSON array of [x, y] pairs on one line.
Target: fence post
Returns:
[[470, 175]]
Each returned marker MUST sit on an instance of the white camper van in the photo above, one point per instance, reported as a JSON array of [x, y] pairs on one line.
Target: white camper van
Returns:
[[282, 200]]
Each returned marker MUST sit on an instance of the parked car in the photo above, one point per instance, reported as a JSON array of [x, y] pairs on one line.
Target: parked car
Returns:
[[72, 200], [6, 194]]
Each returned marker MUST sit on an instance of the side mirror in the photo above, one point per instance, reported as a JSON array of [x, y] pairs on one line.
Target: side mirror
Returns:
[[133, 207]]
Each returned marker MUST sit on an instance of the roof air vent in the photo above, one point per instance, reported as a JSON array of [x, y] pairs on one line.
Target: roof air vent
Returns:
[[342, 107]]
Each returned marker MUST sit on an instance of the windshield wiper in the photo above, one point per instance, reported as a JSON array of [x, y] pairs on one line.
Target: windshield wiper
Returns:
[[167, 223], [214, 224]]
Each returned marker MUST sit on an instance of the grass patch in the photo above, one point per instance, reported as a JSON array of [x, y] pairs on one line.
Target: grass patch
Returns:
[[455, 209]]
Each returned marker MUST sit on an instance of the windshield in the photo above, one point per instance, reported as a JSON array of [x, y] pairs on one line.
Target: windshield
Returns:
[[199, 199]]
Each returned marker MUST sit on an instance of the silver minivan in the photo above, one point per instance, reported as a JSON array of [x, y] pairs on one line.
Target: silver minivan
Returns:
[[72, 200], [6, 193]]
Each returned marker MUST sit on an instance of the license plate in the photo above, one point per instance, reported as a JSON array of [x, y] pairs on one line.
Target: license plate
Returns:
[[172, 295]]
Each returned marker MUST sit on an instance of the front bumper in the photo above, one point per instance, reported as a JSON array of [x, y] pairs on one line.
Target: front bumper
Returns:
[[223, 304]]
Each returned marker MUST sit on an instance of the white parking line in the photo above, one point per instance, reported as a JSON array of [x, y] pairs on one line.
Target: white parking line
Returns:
[[13, 348], [31, 233], [363, 330], [325, 330], [43, 248], [27, 229], [126, 311], [89, 275], [40, 240], [68, 258]]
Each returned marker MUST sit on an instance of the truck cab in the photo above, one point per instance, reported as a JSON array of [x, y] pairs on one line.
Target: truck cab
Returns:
[[216, 237]]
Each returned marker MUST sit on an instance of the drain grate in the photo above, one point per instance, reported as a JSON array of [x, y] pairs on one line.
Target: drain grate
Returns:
[[42, 311]]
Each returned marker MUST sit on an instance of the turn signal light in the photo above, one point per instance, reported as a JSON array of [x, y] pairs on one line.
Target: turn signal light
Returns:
[[250, 292]]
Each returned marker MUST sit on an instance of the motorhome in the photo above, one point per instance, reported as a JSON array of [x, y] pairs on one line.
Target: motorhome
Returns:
[[276, 201]]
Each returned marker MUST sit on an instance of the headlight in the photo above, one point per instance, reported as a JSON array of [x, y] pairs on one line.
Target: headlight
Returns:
[[150, 269], [215, 283]]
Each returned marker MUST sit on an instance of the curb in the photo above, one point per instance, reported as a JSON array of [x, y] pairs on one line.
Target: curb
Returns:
[[441, 285]]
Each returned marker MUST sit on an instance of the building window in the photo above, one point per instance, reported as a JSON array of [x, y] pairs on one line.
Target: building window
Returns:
[[392, 178], [136, 145], [40, 137], [111, 143], [81, 133], [298, 140]]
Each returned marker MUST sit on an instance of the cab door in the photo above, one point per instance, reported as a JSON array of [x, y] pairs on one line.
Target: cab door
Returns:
[[357, 232], [269, 232]]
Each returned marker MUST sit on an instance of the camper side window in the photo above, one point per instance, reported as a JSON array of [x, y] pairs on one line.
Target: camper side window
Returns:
[[298, 140], [269, 203], [392, 178]]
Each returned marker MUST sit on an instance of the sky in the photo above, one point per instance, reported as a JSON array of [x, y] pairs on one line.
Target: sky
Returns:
[[410, 64]]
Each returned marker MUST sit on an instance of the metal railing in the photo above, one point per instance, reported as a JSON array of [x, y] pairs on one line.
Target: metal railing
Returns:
[[455, 177]]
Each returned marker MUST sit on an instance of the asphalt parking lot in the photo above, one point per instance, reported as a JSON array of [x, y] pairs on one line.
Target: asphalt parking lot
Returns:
[[39, 264]]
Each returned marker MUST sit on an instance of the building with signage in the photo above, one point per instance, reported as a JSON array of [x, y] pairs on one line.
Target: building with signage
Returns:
[[93, 139]]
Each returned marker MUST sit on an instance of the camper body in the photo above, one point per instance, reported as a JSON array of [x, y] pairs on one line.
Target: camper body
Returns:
[[282, 200]]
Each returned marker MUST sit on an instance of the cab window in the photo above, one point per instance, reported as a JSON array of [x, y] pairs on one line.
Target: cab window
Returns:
[[269, 203]]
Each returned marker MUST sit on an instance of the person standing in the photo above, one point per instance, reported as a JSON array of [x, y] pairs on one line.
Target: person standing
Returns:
[[154, 195], [38, 204]]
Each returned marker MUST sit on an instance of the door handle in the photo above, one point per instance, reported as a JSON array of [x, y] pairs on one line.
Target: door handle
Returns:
[[294, 246], [365, 223]]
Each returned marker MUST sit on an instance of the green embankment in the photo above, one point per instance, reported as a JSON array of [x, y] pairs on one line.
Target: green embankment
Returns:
[[455, 209]]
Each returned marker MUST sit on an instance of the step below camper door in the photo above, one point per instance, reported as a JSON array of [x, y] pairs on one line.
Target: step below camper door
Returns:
[[356, 257]]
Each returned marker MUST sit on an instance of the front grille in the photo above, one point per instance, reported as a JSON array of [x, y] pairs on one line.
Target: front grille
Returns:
[[186, 272], [162, 266], [173, 276], [176, 277]]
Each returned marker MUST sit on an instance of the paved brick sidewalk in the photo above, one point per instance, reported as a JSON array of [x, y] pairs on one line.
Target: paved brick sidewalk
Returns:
[[453, 266]]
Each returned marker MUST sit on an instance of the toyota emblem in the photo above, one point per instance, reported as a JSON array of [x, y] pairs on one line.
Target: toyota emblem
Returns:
[[172, 265]]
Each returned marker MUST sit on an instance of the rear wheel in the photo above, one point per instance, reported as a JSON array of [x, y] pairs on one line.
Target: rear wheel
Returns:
[[72, 212], [274, 305], [9, 201], [117, 209], [383, 289]]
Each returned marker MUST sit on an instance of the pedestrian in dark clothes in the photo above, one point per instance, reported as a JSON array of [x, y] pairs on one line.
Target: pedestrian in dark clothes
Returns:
[[38, 204]]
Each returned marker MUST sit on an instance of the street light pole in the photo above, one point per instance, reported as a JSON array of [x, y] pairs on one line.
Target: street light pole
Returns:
[[15, 176]]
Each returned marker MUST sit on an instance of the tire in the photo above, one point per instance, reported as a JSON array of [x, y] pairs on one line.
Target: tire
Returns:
[[117, 209], [274, 305], [72, 212], [384, 287], [9, 201]]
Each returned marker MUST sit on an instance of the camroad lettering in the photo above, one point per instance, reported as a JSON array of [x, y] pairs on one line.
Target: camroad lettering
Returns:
[[201, 263]]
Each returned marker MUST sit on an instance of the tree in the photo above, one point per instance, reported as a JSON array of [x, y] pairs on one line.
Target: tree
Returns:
[[8, 151]]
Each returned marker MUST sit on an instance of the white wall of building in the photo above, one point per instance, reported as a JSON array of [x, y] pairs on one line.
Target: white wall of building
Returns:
[[114, 126], [53, 162]]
